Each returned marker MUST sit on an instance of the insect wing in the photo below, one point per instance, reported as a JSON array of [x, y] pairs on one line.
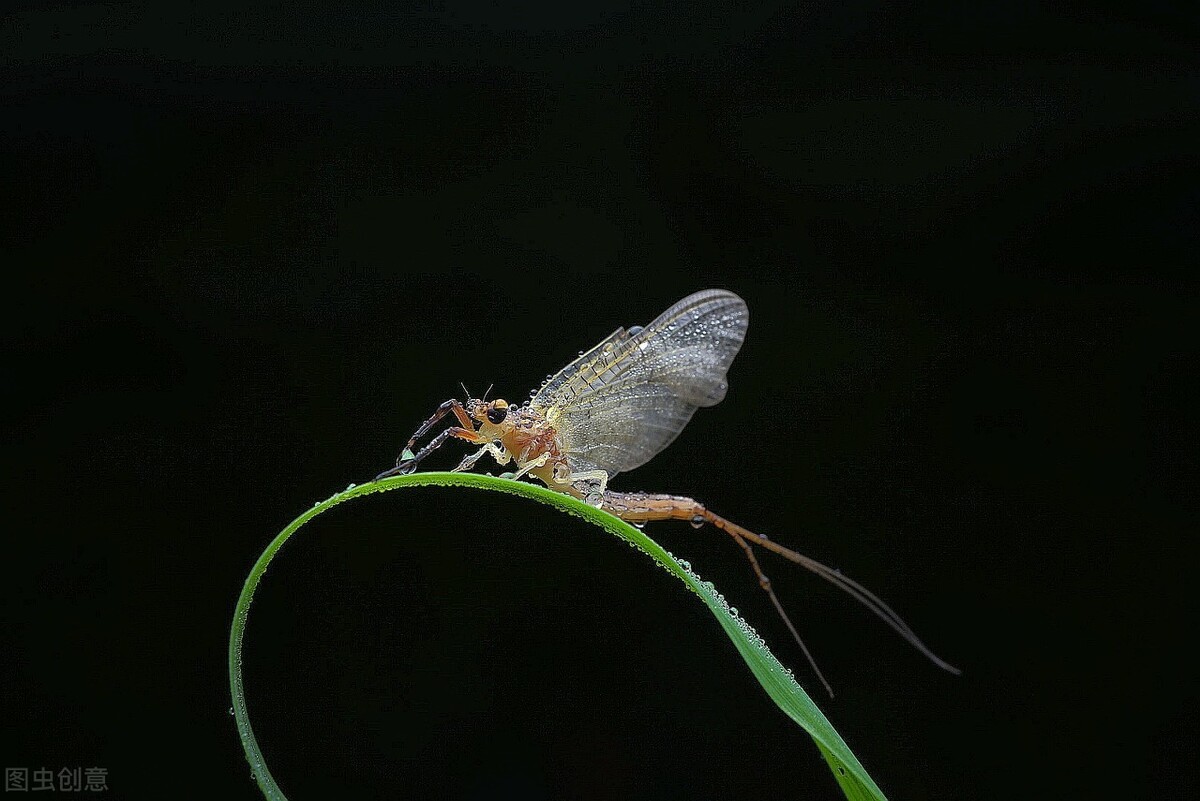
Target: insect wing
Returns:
[[626, 399]]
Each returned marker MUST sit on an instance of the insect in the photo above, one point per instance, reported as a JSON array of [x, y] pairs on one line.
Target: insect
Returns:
[[613, 409]]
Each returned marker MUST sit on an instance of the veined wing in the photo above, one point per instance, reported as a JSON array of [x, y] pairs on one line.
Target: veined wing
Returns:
[[626, 399]]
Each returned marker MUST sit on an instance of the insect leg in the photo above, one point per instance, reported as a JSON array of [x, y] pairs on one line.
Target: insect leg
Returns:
[[451, 405], [499, 454], [590, 484], [410, 465], [532, 465]]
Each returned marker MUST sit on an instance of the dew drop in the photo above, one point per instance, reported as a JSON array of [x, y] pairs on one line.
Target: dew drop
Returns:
[[733, 611], [231, 710], [697, 522], [639, 524]]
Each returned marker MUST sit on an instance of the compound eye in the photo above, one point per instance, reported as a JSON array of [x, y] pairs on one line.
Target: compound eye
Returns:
[[497, 412]]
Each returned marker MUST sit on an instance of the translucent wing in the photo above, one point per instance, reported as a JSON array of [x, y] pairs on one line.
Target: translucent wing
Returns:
[[626, 399]]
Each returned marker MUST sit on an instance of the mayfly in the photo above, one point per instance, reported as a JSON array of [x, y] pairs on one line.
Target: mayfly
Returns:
[[613, 409]]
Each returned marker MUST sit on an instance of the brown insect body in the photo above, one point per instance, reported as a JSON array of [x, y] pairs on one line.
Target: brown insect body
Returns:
[[524, 436], [613, 409]]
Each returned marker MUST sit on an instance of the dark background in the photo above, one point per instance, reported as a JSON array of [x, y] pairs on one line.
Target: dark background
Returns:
[[249, 251]]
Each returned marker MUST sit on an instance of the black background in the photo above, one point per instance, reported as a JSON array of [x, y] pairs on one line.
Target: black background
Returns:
[[248, 251]]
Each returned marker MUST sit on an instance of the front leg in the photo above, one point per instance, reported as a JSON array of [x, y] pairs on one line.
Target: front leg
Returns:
[[451, 405], [410, 465]]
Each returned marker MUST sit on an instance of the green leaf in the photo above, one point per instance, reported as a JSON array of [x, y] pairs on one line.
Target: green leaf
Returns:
[[775, 679]]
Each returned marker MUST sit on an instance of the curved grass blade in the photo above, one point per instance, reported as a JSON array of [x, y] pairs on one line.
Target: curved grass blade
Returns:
[[775, 679]]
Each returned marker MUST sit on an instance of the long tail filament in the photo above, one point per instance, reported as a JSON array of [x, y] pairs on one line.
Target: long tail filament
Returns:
[[834, 577]]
